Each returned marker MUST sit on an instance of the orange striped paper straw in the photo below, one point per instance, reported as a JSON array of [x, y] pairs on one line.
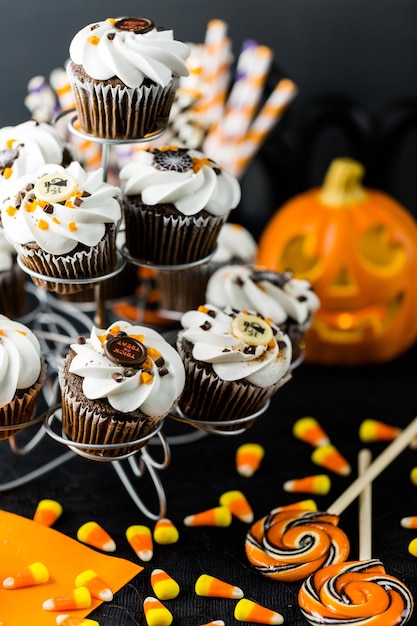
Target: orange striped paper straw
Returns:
[[269, 115]]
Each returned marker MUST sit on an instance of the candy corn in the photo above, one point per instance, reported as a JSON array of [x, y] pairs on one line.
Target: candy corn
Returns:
[[212, 587], [248, 611], [248, 458], [309, 430], [165, 532], [305, 505], [238, 505], [412, 547], [373, 430], [74, 620], [156, 614], [47, 512], [217, 622], [140, 540], [329, 457], [319, 484], [94, 535], [165, 587], [34, 574], [79, 598], [218, 516], [96, 586]]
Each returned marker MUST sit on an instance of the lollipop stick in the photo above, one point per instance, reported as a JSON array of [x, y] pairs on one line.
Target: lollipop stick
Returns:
[[381, 462], [365, 509]]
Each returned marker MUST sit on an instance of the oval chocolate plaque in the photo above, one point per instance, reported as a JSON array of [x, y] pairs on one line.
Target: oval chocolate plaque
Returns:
[[139, 25], [125, 350]]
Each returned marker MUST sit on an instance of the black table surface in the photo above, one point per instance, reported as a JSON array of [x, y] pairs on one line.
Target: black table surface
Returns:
[[202, 467]]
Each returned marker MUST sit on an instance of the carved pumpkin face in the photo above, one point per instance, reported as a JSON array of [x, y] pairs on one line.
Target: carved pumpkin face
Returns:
[[358, 249]]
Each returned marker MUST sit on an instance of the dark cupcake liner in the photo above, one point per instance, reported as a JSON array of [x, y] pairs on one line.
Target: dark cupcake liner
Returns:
[[115, 112], [208, 398], [97, 261], [169, 240], [12, 292], [89, 427], [22, 408]]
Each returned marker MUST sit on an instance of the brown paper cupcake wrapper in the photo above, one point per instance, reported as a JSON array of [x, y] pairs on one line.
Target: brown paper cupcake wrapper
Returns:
[[169, 240], [81, 425], [21, 409], [12, 292], [114, 112], [97, 261], [208, 398]]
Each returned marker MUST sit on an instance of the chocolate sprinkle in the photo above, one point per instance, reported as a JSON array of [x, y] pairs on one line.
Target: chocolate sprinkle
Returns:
[[205, 326], [81, 340], [160, 361], [163, 371], [249, 350], [129, 373], [118, 377]]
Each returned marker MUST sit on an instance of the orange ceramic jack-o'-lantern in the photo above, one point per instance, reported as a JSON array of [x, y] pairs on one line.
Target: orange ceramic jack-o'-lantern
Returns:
[[358, 248]]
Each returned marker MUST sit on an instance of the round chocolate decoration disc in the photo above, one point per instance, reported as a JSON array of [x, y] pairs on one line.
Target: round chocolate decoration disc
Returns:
[[252, 330], [126, 351], [138, 25]]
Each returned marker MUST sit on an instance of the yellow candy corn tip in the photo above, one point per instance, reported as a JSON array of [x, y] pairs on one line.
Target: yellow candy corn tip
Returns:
[[412, 547], [156, 614], [165, 587], [413, 475], [248, 611]]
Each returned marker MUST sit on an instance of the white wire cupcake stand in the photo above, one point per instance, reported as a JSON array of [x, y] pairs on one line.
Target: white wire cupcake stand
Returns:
[[57, 323]]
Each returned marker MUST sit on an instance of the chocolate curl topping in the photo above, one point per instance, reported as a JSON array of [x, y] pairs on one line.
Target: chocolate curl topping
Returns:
[[139, 25]]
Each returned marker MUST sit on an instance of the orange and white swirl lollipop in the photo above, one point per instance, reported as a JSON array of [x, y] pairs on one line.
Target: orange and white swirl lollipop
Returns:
[[356, 592], [291, 545]]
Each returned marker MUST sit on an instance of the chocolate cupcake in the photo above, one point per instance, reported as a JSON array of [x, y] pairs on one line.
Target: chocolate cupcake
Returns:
[[289, 302], [63, 224], [117, 386], [235, 362], [22, 375], [124, 73], [175, 202]]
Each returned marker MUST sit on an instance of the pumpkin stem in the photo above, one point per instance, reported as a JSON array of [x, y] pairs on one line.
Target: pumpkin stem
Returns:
[[343, 183]]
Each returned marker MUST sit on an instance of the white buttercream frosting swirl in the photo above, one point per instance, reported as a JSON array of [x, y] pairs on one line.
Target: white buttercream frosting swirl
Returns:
[[75, 210], [182, 177], [238, 345], [24, 148], [7, 253], [131, 49], [234, 242], [278, 296], [152, 387], [20, 358]]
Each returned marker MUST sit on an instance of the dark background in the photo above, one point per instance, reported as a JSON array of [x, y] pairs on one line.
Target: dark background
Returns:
[[354, 62]]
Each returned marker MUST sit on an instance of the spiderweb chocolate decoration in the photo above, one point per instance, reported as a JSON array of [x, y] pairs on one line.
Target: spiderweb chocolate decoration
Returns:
[[173, 160]]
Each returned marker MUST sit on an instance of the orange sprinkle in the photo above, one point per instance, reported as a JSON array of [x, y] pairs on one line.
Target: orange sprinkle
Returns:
[[11, 210], [94, 40], [7, 172], [154, 353], [43, 225], [9, 143], [146, 378], [94, 535], [72, 226], [56, 220], [140, 338], [329, 457], [202, 309], [238, 505]]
